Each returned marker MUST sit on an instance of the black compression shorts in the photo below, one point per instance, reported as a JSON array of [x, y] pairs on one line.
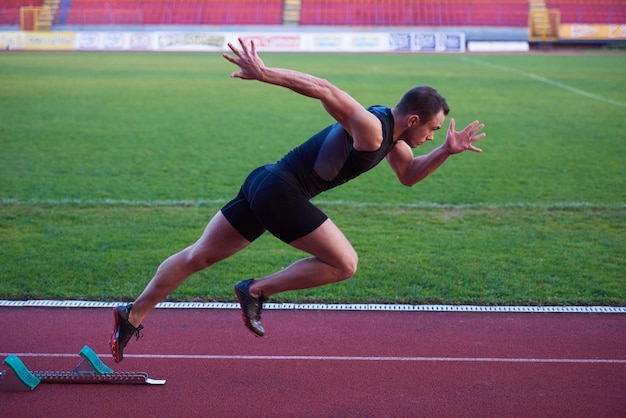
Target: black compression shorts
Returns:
[[267, 202]]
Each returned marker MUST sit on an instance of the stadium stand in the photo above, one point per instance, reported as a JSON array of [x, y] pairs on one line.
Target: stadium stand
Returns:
[[175, 12], [612, 12], [355, 13], [415, 12], [10, 10]]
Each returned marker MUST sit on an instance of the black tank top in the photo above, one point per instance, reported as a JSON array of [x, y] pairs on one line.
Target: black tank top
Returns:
[[328, 159]]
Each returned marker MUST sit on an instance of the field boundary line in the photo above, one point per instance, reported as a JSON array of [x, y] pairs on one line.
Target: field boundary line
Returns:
[[341, 358], [407, 205], [547, 81], [326, 306]]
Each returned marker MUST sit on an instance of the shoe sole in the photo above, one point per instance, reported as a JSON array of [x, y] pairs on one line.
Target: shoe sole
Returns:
[[114, 343], [243, 315]]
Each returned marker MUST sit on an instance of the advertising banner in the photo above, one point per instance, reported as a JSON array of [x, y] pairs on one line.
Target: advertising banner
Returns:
[[424, 42], [592, 32], [491, 46], [269, 41], [199, 41], [451, 42], [347, 42], [37, 41], [400, 42], [11, 41], [427, 41], [114, 41], [367, 42], [49, 41], [190, 41]]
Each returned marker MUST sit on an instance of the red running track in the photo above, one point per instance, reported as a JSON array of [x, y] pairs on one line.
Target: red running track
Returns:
[[328, 364]]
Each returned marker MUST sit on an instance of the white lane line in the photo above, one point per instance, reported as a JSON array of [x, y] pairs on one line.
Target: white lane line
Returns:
[[349, 203], [340, 358], [547, 81], [325, 307]]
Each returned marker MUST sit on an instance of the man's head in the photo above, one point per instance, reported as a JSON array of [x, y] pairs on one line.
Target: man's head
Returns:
[[423, 101], [420, 113]]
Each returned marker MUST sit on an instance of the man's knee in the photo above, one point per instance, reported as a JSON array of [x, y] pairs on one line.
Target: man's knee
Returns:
[[349, 266], [198, 258]]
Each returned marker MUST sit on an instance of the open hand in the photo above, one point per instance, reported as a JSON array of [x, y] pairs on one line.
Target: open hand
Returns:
[[251, 66], [463, 140]]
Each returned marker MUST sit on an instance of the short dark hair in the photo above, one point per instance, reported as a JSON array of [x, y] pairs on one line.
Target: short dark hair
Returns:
[[423, 101]]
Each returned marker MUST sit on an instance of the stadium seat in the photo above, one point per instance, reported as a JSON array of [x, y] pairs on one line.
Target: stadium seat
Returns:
[[584, 11], [508, 13], [415, 12], [10, 10], [179, 12]]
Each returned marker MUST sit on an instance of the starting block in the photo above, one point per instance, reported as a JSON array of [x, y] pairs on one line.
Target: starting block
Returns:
[[90, 370]]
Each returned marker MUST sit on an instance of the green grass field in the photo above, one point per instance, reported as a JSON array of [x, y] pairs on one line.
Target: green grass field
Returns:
[[111, 162]]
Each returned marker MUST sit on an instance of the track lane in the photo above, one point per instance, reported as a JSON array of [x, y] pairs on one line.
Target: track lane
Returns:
[[327, 363]]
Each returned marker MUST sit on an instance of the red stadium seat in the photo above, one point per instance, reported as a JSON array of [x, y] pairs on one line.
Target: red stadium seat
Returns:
[[507, 13], [10, 10], [178, 12], [415, 12], [585, 11]]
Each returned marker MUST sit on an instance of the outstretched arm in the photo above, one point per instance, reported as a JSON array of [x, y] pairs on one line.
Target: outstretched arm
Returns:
[[364, 127], [411, 170]]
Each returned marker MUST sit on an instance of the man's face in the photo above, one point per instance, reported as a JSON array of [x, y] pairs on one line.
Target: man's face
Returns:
[[425, 131]]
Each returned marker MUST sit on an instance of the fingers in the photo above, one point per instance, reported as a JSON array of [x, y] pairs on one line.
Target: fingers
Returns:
[[252, 47], [229, 58], [244, 48], [473, 130], [234, 61], [235, 50], [477, 129], [463, 140], [241, 54], [451, 127], [474, 127]]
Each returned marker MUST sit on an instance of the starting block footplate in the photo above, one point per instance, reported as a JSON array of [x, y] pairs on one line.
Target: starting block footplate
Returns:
[[90, 370]]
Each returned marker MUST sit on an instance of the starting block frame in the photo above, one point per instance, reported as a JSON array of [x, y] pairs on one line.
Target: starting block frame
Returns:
[[91, 369]]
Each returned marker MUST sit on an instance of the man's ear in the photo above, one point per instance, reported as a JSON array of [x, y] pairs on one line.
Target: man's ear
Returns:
[[413, 120]]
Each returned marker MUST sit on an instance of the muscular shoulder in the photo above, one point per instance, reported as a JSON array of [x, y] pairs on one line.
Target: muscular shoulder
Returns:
[[372, 127]]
